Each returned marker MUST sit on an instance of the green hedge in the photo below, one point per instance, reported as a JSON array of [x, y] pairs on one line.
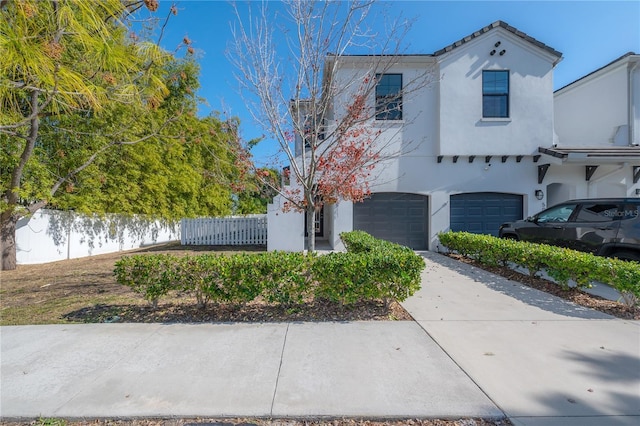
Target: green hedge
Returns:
[[361, 242], [371, 269], [559, 263]]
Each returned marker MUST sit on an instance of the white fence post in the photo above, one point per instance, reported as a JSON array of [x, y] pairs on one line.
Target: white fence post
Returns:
[[250, 230]]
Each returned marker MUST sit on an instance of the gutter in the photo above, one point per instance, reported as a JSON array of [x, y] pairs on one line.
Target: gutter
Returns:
[[631, 104]]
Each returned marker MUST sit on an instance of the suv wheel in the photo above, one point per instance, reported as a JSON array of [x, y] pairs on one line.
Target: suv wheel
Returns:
[[627, 255]]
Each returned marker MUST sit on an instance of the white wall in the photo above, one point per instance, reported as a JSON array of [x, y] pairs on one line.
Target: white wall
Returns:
[[285, 231], [589, 113], [568, 182], [463, 130], [341, 215], [51, 235], [438, 181]]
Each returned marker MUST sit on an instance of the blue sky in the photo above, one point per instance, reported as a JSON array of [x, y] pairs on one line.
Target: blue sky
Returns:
[[589, 34]]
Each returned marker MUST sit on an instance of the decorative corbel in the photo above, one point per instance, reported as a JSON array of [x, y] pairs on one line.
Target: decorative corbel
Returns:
[[542, 171]]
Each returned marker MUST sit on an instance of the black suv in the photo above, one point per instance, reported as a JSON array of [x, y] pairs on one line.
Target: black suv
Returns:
[[602, 226]]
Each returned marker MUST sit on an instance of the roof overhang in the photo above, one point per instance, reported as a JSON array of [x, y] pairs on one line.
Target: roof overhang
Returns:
[[595, 156], [591, 159]]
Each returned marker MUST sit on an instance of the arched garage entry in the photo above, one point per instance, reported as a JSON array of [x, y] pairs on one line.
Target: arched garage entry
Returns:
[[484, 212], [398, 217]]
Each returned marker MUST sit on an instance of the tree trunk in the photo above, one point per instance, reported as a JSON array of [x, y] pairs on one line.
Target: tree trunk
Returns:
[[311, 229], [8, 241]]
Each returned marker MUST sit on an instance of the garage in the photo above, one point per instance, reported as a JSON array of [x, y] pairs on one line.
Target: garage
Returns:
[[484, 212], [398, 217]]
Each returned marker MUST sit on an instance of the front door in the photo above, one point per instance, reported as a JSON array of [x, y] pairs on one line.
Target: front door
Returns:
[[318, 223]]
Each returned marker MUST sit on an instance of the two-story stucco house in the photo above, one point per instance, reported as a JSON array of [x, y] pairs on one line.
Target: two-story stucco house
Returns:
[[482, 145]]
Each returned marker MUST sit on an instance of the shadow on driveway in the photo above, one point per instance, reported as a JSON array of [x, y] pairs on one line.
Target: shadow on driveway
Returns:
[[528, 295]]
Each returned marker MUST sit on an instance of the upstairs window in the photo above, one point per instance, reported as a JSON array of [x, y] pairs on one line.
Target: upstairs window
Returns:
[[389, 97], [495, 94]]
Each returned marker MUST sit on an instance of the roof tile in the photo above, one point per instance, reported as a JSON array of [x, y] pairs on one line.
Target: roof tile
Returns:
[[488, 28]]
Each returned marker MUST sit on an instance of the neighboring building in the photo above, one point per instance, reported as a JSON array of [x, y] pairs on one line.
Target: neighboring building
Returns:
[[481, 141], [597, 123]]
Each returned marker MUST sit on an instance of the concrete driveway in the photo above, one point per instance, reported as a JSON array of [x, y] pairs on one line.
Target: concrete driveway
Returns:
[[542, 360]]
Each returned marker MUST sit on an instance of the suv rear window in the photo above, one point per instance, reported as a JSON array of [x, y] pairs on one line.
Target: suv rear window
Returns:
[[598, 213]]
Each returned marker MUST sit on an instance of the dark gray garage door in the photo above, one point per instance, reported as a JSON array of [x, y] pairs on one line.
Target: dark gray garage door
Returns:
[[484, 212], [397, 217]]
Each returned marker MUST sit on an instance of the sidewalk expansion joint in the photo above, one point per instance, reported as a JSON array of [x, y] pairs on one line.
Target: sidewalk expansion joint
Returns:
[[462, 369], [275, 390]]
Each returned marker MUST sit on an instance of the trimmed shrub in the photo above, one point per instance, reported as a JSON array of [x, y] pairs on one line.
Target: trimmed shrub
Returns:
[[360, 241], [152, 276], [371, 269], [286, 277], [561, 264], [202, 277]]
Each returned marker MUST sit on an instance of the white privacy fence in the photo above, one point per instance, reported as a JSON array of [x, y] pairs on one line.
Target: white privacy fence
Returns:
[[51, 235], [228, 231]]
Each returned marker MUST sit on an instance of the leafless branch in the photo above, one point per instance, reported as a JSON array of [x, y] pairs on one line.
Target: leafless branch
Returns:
[[308, 93]]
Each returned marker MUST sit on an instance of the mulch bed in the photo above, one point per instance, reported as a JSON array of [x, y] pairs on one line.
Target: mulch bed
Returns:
[[316, 310]]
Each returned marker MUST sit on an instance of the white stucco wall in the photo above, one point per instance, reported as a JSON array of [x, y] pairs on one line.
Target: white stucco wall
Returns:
[[438, 181], [568, 182], [463, 130], [341, 216], [590, 112], [285, 231], [50, 235]]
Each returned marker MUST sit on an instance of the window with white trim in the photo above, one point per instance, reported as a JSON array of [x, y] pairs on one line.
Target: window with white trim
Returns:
[[495, 94], [389, 97]]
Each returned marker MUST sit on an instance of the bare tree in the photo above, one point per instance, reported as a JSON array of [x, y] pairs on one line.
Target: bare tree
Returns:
[[309, 71]]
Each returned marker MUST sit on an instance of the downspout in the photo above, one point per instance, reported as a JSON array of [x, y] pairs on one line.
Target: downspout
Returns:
[[630, 103]]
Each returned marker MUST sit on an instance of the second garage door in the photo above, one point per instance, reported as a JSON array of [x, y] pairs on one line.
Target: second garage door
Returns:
[[484, 212], [397, 217]]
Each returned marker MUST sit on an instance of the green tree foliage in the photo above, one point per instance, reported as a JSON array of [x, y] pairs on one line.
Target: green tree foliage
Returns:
[[258, 190], [186, 170], [96, 118]]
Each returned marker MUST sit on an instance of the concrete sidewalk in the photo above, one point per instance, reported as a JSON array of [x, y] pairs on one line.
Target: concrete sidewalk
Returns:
[[542, 360], [500, 348], [361, 369]]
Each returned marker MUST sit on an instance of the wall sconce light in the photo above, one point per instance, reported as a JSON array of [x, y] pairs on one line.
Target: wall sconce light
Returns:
[[493, 52], [502, 52], [539, 194]]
